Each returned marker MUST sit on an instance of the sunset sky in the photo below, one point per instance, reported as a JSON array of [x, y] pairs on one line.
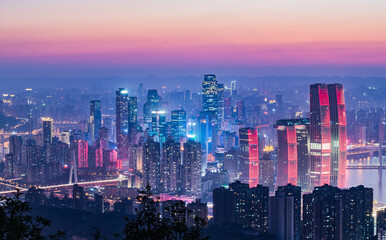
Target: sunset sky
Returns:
[[124, 37]]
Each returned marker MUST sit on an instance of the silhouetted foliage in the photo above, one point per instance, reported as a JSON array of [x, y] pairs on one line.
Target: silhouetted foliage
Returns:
[[16, 223], [150, 226]]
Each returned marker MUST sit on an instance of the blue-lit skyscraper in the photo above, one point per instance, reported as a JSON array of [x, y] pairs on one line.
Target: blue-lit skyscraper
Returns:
[[210, 94], [178, 124], [122, 121]]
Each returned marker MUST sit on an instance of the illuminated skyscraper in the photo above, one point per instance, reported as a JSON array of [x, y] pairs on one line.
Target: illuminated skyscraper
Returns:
[[220, 97], [328, 134], [95, 117], [338, 134], [158, 126], [320, 130], [81, 152], [210, 94], [249, 156], [151, 105], [47, 131], [122, 121], [178, 124], [151, 164], [293, 155], [191, 166], [170, 166], [133, 110]]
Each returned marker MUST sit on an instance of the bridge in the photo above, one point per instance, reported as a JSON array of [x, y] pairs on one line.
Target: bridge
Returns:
[[101, 183], [364, 167]]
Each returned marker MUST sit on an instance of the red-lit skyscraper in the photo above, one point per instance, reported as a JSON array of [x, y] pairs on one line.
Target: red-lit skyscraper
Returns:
[[293, 155], [338, 134], [249, 156], [82, 153], [328, 135], [320, 130]]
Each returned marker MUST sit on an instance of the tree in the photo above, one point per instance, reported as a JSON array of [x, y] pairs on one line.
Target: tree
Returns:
[[17, 223], [150, 226]]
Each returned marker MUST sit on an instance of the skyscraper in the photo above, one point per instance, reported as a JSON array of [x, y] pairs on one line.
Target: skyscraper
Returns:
[[328, 134], [320, 130], [210, 94], [179, 127], [133, 109], [151, 105], [249, 156], [95, 118], [47, 131], [220, 97], [151, 164], [158, 126], [191, 166], [122, 121], [223, 206], [338, 134], [170, 166], [293, 152]]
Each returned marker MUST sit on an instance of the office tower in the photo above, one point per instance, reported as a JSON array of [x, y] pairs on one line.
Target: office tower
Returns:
[[280, 110], [47, 131], [223, 206], [320, 130], [233, 88], [338, 134], [95, 118], [179, 127], [191, 165], [151, 105], [285, 212], [328, 134], [210, 94], [81, 153], [208, 132], [151, 164], [267, 171], [16, 147], [293, 152], [170, 166], [249, 156], [133, 108], [32, 153], [103, 138], [193, 129], [231, 160], [196, 209], [281, 217], [122, 122], [381, 224], [331, 213], [227, 108], [240, 111], [79, 198], [220, 97], [158, 126]]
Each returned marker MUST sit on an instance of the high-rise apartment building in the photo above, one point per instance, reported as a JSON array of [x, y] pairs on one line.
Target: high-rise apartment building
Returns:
[[170, 166], [332, 213], [191, 168], [151, 164]]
